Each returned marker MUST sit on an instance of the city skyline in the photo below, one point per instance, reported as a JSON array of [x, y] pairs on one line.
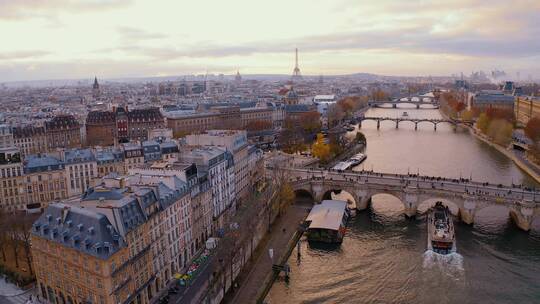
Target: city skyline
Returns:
[[73, 39]]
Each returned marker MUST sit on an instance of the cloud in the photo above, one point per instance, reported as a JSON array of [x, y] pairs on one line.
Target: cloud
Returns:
[[412, 39], [134, 34], [22, 9], [22, 55]]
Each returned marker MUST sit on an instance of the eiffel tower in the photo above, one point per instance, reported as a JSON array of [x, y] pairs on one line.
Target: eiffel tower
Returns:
[[296, 72]]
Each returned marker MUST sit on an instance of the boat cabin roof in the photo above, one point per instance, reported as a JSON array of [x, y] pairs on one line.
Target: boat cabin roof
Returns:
[[327, 215]]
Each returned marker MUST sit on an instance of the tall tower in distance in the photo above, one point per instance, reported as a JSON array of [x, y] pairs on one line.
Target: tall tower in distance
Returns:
[[95, 88], [296, 72]]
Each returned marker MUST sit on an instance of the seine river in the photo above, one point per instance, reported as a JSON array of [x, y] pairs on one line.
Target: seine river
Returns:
[[382, 258]]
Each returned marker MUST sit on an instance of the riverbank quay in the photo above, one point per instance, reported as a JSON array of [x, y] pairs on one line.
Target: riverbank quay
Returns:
[[255, 283], [520, 160]]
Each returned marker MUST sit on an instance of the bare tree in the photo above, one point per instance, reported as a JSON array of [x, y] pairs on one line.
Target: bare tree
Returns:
[[4, 237], [23, 227]]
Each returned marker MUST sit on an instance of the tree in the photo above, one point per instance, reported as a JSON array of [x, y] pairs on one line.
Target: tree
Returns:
[[501, 131], [494, 113], [483, 122], [532, 129], [259, 125], [459, 106], [4, 237], [310, 121], [23, 226], [360, 137], [379, 95], [320, 149], [334, 115], [467, 115], [286, 196]]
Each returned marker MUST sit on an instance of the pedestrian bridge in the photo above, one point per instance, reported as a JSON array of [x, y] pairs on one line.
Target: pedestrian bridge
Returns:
[[415, 100], [415, 121], [523, 204]]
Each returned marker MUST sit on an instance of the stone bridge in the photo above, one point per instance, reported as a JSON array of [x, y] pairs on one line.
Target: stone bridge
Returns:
[[415, 121], [470, 197], [421, 100]]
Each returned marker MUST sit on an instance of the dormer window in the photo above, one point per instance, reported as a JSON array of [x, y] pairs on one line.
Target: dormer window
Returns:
[[91, 230], [80, 227]]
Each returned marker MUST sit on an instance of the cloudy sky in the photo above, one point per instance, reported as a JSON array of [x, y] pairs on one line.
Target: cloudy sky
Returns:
[[55, 39]]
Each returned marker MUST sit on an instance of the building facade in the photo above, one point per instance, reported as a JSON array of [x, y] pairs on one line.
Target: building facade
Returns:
[[526, 107], [81, 170], [120, 125], [121, 242], [234, 141], [63, 131], [30, 139], [223, 117], [45, 180]]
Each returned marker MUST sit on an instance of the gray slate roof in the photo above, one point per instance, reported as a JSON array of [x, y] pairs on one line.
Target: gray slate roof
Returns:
[[80, 229], [42, 163]]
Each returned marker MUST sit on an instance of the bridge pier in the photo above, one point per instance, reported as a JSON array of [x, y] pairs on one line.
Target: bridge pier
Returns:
[[411, 204], [418, 106], [397, 124], [394, 105], [378, 124], [360, 124], [416, 126], [435, 127], [522, 214], [466, 214]]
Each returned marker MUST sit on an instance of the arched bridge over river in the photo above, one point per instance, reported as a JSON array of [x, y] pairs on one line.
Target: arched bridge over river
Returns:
[[415, 100], [469, 196], [415, 121]]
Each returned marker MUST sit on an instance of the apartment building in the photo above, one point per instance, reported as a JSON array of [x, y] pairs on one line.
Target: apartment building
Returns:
[[234, 141], [81, 170], [30, 139], [120, 243], [12, 187], [45, 180], [218, 164]]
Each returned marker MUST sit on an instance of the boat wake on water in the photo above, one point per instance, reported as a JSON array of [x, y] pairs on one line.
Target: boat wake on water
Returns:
[[452, 261]]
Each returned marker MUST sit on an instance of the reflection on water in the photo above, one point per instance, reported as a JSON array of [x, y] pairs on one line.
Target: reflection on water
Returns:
[[383, 256]]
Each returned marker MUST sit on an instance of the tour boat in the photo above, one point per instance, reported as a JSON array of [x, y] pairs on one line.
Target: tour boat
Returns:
[[357, 159], [341, 166], [349, 128], [327, 222], [441, 235]]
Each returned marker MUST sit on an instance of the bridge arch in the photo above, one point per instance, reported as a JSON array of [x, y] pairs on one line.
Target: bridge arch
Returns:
[[386, 202], [304, 193], [454, 206], [341, 194]]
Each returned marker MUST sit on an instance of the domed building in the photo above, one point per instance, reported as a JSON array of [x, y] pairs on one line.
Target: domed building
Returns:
[[291, 98]]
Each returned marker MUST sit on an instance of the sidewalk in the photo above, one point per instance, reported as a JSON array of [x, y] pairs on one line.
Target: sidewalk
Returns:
[[11, 294], [252, 282]]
